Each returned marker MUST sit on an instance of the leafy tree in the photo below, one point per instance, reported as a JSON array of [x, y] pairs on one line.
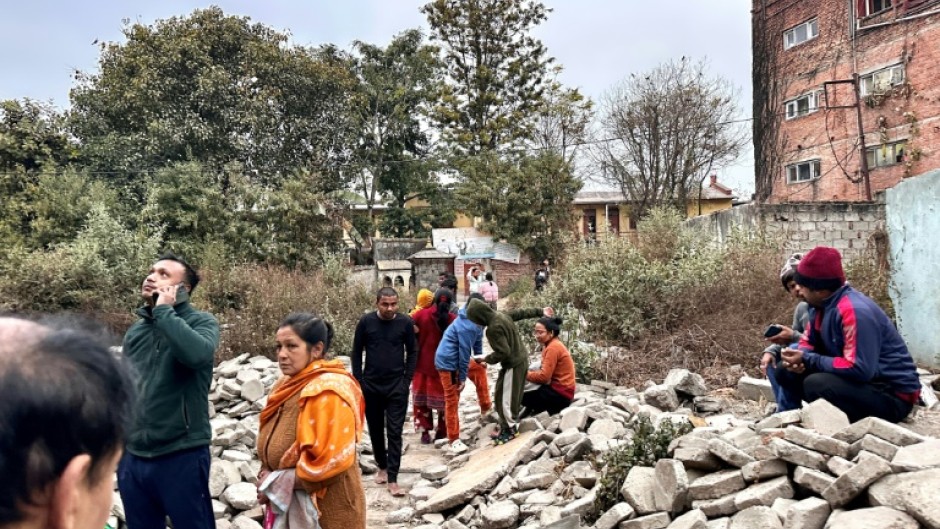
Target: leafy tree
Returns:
[[187, 202], [290, 225], [210, 88], [665, 131], [32, 136], [58, 203], [562, 123], [496, 70], [396, 86], [523, 199]]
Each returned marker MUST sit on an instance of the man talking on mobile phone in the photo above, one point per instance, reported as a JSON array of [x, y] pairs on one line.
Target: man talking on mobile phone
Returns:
[[165, 469]]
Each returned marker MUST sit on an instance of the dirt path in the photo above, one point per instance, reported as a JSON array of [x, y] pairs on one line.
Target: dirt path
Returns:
[[415, 457]]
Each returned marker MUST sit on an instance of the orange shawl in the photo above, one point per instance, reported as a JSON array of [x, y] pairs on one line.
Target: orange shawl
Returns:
[[330, 421]]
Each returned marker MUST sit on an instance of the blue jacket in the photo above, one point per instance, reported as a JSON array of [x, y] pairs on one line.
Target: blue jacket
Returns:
[[460, 338], [852, 337]]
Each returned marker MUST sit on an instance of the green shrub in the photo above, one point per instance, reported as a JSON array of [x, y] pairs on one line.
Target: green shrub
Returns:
[[648, 445], [671, 299], [585, 359], [98, 272]]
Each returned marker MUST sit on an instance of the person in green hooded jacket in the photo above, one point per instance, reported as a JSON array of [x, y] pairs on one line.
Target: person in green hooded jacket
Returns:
[[509, 351], [165, 468]]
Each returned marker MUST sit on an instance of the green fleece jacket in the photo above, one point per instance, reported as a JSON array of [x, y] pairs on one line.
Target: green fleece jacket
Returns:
[[508, 348], [172, 350]]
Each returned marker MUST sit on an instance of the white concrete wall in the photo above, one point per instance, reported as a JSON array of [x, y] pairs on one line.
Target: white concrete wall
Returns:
[[913, 223]]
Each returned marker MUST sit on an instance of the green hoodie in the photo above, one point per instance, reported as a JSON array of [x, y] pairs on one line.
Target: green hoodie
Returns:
[[508, 348], [172, 349]]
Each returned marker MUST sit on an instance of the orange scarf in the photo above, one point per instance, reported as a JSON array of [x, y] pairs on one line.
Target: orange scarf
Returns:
[[298, 382], [326, 433]]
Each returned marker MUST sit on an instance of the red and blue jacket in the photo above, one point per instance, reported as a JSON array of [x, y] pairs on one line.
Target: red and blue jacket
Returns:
[[852, 337]]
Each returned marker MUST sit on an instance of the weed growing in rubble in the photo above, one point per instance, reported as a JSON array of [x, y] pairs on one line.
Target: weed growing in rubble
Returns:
[[648, 445]]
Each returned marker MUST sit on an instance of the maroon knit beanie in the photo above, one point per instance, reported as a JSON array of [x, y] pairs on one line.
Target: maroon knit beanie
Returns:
[[821, 269]]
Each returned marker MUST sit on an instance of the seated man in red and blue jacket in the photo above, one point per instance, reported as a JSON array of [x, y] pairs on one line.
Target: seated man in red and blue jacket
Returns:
[[850, 353]]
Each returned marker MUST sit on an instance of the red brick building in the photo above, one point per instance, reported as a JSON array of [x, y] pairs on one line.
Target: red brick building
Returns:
[[835, 79]]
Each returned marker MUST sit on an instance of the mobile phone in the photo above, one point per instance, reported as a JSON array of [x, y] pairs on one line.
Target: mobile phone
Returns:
[[773, 330]]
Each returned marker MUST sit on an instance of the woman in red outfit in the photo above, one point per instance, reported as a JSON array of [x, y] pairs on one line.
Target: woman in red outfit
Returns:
[[426, 389]]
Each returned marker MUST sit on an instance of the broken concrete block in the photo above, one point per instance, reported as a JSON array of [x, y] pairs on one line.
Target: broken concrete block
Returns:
[[814, 441], [894, 434], [875, 445], [755, 389], [500, 514], [763, 470], [614, 516], [573, 417], [728, 453], [761, 452], [760, 516], [653, 521], [577, 451], [638, 490], [671, 489], [716, 485], [781, 506], [719, 523], [825, 418], [697, 458], [686, 382], [838, 466], [580, 506], [764, 493], [810, 513], [798, 455], [662, 396], [846, 487], [917, 457], [535, 481], [718, 507], [779, 420], [913, 492], [694, 519], [742, 437], [581, 473], [812, 479], [871, 518]]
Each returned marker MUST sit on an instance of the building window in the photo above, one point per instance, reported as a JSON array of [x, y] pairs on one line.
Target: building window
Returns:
[[802, 171], [800, 34], [881, 81], [803, 105], [887, 154], [876, 6]]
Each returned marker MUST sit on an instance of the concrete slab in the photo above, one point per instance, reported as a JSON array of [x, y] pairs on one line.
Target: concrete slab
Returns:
[[481, 473]]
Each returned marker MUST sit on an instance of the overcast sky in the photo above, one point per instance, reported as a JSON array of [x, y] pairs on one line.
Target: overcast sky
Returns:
[[599, 42]]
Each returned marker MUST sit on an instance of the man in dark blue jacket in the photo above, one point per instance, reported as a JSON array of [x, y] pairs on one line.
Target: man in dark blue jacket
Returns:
[[850, 353]]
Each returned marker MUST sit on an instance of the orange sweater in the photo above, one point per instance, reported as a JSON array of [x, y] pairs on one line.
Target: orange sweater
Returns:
[[557, 366]]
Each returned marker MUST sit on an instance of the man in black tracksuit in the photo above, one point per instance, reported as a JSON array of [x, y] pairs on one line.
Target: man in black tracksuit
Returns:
[[388, 339]]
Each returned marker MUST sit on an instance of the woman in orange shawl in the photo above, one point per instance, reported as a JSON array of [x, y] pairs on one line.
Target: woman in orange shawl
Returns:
[[312, 422]]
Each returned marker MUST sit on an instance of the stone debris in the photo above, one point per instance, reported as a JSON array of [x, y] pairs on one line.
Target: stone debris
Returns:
[[728, 473]]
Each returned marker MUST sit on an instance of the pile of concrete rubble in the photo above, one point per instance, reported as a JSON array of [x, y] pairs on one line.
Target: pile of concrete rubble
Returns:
[[800, 469]]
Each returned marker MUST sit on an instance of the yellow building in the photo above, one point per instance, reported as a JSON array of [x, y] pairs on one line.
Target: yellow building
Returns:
[[603, 214]]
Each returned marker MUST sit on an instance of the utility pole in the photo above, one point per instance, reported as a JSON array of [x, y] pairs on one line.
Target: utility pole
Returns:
[[863, 151], [857, 105]]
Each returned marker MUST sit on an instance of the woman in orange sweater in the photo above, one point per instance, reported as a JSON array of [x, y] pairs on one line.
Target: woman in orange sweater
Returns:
[[556, 376]]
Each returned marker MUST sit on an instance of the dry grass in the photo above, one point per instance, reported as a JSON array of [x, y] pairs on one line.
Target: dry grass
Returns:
[[251, 300]]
